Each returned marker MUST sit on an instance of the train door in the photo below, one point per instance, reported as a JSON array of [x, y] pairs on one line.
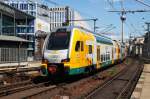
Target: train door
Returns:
[[98, 57], [89, 53], [113, 61], [82, 54], [77, 53]]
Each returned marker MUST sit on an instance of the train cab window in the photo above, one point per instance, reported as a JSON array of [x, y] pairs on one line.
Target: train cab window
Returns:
[[77, 47], [90, 49], [59, 40]]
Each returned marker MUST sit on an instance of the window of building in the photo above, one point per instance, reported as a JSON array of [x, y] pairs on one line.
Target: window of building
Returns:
[[30, 45], [21, 6], [32, 6], [33, 13], [30, 37], [25, 7], [14, 5], [30, 30], [30, 53]]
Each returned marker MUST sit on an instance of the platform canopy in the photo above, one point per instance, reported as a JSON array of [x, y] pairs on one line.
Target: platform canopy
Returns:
[[12, 38]]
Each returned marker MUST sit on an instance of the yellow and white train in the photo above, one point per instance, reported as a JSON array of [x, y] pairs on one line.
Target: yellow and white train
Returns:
[[73, 50]]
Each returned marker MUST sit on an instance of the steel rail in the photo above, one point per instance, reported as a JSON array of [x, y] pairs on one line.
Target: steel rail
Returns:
[[132, 79], [128, 82], [6, 87], [40, 92], [105, 83], [19, 89]]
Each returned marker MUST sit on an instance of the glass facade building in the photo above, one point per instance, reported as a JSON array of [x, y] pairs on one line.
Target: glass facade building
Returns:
[[26, 28], [7, 25], [58, 16], [28, 7], [12, 48]]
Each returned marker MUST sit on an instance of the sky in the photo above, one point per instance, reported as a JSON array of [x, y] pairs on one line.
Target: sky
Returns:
[[134, 24]]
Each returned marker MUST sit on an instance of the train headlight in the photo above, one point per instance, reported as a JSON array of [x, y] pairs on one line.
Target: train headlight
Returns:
[[52, 69]]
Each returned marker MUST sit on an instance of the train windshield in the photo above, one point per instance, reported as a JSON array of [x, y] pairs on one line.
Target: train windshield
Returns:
[[58, 40]]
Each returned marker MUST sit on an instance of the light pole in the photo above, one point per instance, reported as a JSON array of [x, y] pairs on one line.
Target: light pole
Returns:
[[123, 18]]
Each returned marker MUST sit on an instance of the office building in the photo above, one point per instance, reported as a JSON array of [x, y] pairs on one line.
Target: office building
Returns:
[[39, 25], [13, 50], [59, 15]]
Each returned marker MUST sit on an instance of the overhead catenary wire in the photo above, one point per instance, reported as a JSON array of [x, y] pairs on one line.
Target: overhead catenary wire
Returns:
[[132, 27], [111, 4], [143, 3], [106, 28], [53, 2], [123, 12]]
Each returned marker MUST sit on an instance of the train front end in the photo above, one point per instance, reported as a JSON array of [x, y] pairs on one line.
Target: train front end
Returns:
[[56, 53]]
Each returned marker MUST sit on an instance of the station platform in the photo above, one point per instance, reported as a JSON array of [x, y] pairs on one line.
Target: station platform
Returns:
[[30, 66], [142, 89]]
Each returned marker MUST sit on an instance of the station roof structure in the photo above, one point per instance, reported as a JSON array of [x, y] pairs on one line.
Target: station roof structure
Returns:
[[14, 12]]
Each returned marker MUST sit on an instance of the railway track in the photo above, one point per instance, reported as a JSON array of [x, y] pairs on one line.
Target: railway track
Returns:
[[60, 90], [15, 85], [53, 91], [19, 87], [120, 86], [81, 88]]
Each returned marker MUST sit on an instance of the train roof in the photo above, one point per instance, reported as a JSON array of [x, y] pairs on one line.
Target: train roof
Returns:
[[99, 37], [71, 27]]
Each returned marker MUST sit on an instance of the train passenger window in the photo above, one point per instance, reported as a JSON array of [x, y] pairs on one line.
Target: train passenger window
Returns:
[[90, 49], [107, 57], [101, 58], [82, 46], [77, 47], [98, 54]]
